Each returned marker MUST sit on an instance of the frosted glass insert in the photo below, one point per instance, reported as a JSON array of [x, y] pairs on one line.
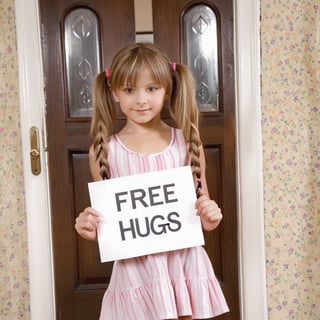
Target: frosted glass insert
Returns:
[[82, 60], [201, 54]]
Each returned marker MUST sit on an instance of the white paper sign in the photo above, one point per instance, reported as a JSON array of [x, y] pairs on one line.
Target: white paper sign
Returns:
[[146, 213]]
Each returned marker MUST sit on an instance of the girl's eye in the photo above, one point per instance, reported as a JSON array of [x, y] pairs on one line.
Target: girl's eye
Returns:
[[152, 89], [128, 89]]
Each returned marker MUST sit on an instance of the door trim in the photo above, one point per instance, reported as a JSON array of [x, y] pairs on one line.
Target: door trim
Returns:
[[252, 272], [32, 113]]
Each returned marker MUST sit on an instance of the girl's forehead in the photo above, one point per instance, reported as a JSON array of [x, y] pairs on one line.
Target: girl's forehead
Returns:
[[142, 74]]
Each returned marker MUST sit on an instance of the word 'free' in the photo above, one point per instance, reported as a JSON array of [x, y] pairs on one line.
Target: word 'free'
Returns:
[[154, 196]]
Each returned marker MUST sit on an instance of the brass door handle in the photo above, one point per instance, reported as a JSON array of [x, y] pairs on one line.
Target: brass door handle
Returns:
[[35, 151]]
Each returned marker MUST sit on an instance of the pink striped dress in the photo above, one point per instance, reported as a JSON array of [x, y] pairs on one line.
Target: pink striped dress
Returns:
[[164, 285]]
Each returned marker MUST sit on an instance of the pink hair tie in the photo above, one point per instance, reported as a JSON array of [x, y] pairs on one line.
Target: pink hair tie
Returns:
[[174, 65], [107, 73]]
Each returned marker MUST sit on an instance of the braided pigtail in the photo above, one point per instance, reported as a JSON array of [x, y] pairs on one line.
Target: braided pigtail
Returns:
[[184, 111], [102, 123]]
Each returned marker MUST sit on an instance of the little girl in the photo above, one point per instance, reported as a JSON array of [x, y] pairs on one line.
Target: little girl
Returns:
[[172, 285]]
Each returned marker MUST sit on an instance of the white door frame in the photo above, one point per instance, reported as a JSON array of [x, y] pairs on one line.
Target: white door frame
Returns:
[[32, 113], [249, 161]]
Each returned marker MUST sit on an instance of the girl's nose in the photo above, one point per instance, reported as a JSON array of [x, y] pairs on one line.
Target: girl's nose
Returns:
[[141, 99]]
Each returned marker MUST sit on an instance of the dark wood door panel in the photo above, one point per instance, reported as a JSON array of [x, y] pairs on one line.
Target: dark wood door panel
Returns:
[[217, 132], [80, 278], [90, 274], [213, 243]]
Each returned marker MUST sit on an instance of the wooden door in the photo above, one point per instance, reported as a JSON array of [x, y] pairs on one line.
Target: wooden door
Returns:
[[217, 127], [80, 279]]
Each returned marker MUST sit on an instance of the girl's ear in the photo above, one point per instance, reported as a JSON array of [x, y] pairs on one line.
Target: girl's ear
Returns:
[[114, 95]]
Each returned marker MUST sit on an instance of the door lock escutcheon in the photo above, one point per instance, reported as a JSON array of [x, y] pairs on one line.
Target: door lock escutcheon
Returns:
[[35, 151]]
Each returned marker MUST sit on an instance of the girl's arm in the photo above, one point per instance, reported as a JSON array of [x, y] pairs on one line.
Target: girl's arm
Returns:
[[87, 221], [207, 209]]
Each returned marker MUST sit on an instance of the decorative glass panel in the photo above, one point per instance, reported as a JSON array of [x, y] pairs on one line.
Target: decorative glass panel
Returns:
[[82, 60], [201, 54]]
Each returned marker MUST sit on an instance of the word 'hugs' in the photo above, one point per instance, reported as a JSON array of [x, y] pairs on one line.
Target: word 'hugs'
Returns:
[[153, 196]]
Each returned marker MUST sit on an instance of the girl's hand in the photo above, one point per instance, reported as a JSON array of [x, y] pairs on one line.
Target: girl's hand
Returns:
[[209, 212], [87, 223]]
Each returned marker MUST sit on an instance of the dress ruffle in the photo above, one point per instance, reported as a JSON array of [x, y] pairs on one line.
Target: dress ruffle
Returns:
[[177, 289]]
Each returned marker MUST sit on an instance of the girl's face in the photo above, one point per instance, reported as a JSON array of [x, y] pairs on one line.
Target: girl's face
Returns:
[[143, 101]]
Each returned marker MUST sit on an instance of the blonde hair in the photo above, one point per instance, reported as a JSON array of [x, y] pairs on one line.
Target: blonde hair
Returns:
[[178, 83]]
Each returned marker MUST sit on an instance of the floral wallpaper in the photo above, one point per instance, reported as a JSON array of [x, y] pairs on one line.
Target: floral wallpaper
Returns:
[[290, 55], [290, 46], [14, 292]]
